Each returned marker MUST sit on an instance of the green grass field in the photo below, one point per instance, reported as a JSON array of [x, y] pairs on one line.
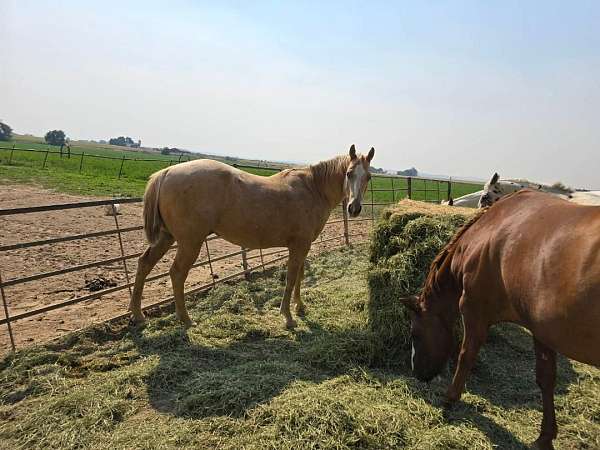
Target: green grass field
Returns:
[[99, 176], [239, 380]]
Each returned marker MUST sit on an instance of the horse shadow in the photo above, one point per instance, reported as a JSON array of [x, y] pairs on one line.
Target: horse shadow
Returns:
[[504, 375], [194, 380]]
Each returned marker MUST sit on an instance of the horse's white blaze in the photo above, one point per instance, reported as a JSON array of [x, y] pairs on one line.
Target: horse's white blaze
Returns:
[[356, 183], [412, 357]]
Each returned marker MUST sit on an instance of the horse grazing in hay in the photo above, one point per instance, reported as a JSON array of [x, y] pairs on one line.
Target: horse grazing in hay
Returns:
[[532, 259], [187, 202]]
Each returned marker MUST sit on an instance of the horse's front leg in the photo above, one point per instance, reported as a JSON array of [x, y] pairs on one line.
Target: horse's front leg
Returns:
[[295, 262], [545, 376], [475, 334]]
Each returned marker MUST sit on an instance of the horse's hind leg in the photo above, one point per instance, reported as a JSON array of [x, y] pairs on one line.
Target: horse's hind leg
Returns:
[[545, 375], [146, 263], [300, 308], [184, 259], [296, 260]]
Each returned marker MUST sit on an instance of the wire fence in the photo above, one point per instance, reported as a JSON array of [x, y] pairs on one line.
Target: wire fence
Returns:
[[383, 188], [77, 160]]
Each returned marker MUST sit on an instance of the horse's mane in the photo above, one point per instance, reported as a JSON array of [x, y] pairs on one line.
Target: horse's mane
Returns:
[[324, 169], [447, 252]]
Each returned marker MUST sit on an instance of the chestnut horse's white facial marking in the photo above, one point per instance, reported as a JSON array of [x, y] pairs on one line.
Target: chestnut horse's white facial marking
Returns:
[[412, 356]]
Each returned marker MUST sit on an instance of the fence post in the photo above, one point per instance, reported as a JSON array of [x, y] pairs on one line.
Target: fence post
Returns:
[[345, 216], [212, 274], [11, 154], [45, 159], [372, 202], [10, 333], [122, 251], [409, 180], [81, 161], [262, 260], [245, 264], [449, 189], [179, 158], [393, 191], [121, 168]]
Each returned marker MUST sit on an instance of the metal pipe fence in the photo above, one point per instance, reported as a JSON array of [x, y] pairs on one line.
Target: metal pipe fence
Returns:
[[396, 192], [118, 231]]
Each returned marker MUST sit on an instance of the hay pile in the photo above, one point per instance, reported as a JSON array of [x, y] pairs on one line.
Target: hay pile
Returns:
[[404, 242]]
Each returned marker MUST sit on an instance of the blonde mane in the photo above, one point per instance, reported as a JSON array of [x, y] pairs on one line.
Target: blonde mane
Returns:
[[323, 170]]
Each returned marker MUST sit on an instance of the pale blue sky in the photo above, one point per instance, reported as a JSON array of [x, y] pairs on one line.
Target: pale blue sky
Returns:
[[462, 88]]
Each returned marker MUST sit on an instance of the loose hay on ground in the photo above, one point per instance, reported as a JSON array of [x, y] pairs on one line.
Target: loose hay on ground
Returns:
[[239, 380], [404, 243]]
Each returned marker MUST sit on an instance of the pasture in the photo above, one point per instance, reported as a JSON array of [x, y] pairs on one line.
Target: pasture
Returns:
[[239, 380], [99, 176]]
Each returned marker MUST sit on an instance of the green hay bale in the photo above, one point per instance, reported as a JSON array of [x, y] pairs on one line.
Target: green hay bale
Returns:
[[404, 244]]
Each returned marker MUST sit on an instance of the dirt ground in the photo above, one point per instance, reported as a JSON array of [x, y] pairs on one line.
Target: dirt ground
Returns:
[[24, 262]]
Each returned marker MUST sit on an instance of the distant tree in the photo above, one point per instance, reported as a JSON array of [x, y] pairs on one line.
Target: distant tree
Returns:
[[412, 172], [123, 141], [5, 132], [166, 151], [55, 137]]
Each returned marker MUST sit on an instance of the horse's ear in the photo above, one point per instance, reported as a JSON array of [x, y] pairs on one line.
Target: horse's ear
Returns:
[[412, 303], [352, 152], [371, 154], [495, 178]]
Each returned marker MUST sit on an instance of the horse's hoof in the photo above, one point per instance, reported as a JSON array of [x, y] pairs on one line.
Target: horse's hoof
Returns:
[[136, 321], [448, 403], [290, 324], [187, 324], [301, 311], [542, 445]]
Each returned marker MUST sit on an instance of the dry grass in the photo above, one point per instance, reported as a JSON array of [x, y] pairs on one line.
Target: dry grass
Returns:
[[238, 380]]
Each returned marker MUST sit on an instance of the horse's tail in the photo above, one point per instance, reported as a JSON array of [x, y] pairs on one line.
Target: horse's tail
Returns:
[[152, 220]]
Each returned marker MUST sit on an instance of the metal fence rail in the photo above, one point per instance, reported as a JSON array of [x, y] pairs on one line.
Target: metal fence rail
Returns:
[[396, 193], [9, 318]]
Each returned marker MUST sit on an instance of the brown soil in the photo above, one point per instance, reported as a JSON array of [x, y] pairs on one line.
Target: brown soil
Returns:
[[24, 262]]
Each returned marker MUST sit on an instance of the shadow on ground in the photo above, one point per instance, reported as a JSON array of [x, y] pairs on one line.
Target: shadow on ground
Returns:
[[195, 380]]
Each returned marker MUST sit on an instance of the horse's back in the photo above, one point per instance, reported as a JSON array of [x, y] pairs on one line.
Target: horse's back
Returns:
[[245, 209], [541, 257]]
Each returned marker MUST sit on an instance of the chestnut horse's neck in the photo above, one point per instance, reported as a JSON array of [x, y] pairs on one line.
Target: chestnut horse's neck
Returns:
[[443, 287], [329, 178]]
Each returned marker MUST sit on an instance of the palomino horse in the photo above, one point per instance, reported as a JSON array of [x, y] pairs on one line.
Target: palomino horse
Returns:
[[531, 259], [187, 202]]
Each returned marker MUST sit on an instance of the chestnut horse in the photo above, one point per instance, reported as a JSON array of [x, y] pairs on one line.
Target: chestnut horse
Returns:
[[187, 202], [531, 259]]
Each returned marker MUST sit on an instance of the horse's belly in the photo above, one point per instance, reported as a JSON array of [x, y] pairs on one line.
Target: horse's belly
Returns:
[[577, 339]]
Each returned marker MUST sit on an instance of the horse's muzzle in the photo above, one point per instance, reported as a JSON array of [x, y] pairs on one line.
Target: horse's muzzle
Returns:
[[354, 209]]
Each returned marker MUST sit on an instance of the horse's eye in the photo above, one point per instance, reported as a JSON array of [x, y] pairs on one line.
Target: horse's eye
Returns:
[[349, 174]]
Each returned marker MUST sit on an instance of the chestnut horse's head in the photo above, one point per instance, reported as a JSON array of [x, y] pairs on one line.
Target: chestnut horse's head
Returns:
[[431, 340], [357, 179]]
